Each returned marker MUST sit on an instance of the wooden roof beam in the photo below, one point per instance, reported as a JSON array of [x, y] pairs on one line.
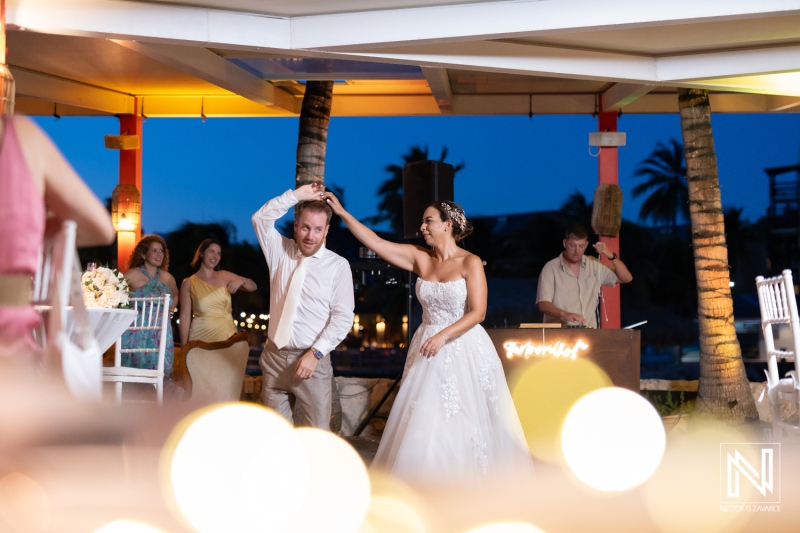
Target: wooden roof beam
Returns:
[[621, 94], [439, 82], [63, 91], [206, 65]]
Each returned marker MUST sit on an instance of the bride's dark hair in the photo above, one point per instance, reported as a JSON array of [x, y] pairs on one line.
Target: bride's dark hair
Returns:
[[454, 213]]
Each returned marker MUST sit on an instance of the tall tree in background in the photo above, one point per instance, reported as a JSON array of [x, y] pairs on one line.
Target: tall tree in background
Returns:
[[312, 145], [664, 172], [312, 138], [723, 391], [390, 208], [577, 209]]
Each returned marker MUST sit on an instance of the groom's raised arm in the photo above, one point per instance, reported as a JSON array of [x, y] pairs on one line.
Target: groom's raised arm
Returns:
[[264, 219]]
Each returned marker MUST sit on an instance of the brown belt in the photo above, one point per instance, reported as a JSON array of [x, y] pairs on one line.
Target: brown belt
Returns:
[[15, 290], [290, 351]]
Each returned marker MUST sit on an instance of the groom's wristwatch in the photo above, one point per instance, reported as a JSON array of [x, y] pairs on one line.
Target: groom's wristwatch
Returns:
[[317, 353]]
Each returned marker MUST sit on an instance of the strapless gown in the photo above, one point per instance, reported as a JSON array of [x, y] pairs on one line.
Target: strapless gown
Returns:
[[453, 419], [211, 312]]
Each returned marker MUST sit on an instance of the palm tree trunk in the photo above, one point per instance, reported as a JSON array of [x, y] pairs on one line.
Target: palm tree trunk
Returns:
[[312, 140], [312, 143], [723, 392]]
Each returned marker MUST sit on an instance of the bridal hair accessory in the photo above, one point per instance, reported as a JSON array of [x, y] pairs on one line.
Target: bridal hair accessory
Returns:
[[456, 214]]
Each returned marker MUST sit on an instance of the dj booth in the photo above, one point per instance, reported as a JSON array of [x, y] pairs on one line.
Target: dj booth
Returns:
[[615, 351]]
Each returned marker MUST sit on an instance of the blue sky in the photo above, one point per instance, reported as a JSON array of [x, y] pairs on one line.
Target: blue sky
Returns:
[[225, 169]]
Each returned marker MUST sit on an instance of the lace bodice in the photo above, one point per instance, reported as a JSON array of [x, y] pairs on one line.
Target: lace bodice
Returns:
[[443, 302]]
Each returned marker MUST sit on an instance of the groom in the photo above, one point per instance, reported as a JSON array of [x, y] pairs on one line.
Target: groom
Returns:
[[310, 303]]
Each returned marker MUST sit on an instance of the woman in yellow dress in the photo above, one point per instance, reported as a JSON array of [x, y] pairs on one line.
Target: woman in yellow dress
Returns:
[[205, 297]]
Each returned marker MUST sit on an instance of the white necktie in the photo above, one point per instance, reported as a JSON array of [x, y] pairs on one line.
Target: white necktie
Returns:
[[284, 330]]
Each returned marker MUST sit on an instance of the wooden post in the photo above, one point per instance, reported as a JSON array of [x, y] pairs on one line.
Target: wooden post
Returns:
[[608, 172], [130, 173]]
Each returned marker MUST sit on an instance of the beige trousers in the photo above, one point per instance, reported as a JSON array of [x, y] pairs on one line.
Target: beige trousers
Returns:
[[280, 389]]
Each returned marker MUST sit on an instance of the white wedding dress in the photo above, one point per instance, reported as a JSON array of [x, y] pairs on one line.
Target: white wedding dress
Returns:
[[453, 419]]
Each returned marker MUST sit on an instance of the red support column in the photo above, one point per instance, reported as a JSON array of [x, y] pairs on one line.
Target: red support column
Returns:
[[130, 173], [608, 172], [2, 31]]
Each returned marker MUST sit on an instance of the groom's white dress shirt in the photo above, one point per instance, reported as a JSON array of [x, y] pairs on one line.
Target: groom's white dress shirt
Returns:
[[325, 310]]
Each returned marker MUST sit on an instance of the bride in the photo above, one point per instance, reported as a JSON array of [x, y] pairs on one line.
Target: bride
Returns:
[[453, 419]]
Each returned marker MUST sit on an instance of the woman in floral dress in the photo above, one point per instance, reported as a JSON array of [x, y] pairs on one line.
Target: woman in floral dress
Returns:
[[148, 278]]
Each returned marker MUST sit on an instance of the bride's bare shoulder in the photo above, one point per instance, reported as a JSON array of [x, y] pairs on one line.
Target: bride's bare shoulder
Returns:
[[468, 257]]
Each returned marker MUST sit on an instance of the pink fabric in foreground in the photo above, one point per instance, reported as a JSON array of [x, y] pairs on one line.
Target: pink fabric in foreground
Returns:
[[22, 219]]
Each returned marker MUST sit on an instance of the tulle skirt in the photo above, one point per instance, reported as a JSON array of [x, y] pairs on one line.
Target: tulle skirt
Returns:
[[453, 419]]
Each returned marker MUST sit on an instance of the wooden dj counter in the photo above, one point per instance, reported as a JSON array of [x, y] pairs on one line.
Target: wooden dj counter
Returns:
[[615, 351]]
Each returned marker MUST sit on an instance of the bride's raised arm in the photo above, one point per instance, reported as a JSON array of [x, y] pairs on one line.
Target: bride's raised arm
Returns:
[[400, 255]]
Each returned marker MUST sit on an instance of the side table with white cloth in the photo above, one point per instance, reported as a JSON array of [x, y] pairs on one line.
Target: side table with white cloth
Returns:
[[107, 326]]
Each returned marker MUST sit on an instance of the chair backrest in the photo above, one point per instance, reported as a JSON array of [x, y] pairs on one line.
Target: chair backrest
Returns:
[[152, 315], [776, 299], [53, 278], [216, 369]]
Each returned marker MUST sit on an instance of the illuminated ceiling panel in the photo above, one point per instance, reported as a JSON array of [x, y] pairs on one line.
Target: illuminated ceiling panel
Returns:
[[298, 68]]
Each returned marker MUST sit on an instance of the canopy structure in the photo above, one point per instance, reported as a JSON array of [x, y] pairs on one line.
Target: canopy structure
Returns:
[[400, 57], [227, 58]]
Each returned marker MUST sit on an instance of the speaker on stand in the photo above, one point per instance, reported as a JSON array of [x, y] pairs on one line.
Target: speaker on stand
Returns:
[[423, 182]]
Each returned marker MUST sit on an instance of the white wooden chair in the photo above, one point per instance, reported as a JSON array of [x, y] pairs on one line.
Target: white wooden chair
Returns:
[[52, 281], [153, 315], [66, 341], [776, 298]]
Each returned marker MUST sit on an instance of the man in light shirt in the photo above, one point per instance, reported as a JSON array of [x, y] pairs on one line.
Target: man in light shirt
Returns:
[[569, 285], [301, 370]]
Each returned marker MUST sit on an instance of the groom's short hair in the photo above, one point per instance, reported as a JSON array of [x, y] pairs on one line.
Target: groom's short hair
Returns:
[[577, 232], [315, 206]]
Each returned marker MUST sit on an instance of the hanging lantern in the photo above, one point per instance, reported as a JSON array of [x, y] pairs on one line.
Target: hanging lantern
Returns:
[[607, 210], [126, 204]]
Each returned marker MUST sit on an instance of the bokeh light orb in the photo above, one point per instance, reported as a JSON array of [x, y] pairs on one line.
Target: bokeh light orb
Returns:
[[507, 527], [692, 478], [236, 467], [127, 526], [339, 491], [544, 391], [392, 515], [613, 439], [395, 507], [24, 505]]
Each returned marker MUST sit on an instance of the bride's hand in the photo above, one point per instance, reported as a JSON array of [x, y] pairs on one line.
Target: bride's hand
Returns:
[[332, 201], [432, 346], [310, 191]]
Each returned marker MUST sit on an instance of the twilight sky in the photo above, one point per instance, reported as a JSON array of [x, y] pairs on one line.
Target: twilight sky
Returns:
[[225, 169]]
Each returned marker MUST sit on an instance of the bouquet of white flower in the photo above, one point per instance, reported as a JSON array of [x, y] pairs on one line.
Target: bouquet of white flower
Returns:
[[105, 287]]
